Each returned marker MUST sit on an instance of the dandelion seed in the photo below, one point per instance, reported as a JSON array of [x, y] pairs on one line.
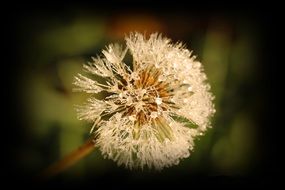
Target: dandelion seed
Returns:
[[158, 101], [137, 122], [153, 115]]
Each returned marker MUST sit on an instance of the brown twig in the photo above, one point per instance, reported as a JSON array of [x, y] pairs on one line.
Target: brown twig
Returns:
[[68, 160]]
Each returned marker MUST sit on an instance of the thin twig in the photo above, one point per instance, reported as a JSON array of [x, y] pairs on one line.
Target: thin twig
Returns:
[[68, 160]]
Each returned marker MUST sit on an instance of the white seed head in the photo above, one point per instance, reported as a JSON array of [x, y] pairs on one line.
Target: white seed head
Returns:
[[138, 122]]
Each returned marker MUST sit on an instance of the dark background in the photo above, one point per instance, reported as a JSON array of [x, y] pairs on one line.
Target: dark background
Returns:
[[48, 44]]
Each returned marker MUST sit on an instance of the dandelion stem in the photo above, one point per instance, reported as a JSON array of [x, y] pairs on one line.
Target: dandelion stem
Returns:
[[68, 160]]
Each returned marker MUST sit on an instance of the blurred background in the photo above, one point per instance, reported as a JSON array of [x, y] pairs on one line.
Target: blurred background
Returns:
[[53, 44]]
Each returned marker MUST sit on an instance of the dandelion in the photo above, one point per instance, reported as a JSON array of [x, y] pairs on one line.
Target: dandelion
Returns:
[[152, 108]]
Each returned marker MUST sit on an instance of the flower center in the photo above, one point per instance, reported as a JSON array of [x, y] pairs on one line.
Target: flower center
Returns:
[[145, 97]]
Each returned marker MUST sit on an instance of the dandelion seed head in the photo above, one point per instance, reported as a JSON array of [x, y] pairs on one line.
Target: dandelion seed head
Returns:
[[141, 121]]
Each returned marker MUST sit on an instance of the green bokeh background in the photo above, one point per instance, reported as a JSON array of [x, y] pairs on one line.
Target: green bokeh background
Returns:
[[53, 46]]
